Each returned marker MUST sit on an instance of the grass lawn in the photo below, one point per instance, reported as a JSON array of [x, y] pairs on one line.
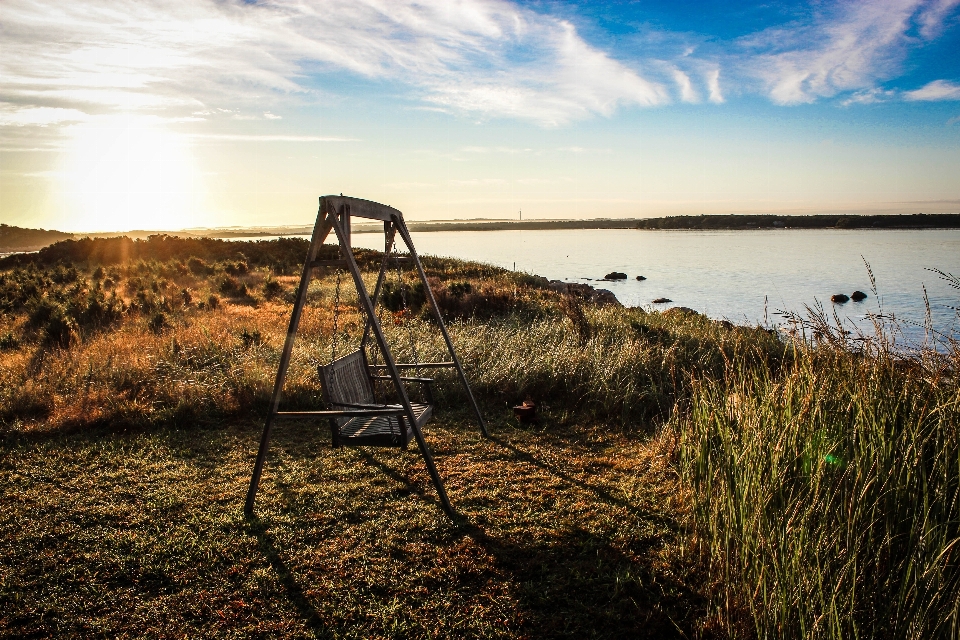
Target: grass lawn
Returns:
[[572, 533]]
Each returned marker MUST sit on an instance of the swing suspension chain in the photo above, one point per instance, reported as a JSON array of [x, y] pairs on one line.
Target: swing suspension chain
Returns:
[[336, 316], [406, 310]]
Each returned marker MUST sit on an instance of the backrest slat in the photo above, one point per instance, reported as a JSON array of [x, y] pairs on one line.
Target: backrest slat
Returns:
[[347, 380]]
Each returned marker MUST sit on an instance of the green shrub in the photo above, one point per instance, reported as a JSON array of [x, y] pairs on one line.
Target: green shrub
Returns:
[[249, 338], [158, 322], [197, 266], [233, 288], [9, 341], [272, 289]]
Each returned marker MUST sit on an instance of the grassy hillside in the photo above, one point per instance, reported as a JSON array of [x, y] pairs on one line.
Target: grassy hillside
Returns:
[[687, 478]]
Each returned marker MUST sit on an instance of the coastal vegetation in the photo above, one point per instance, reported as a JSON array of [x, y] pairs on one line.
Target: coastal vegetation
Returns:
[[687, 477]]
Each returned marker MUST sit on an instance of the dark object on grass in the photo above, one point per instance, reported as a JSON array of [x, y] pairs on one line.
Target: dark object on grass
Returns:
[[858, 296], [839, 298], [641, 278], [615, 275], [662, 300], [526, 412]]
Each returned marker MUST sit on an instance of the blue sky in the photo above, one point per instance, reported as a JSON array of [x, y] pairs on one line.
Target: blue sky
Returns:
[[185, 113]]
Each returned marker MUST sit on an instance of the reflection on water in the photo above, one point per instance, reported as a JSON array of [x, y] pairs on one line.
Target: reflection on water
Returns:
[[732, 274]]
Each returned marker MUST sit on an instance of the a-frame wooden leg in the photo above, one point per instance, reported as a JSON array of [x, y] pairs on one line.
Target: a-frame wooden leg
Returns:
[[347, 255], [405, 234], [320, 231], [389, 232]]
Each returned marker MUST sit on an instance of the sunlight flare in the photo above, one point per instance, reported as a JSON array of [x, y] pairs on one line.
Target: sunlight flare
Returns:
[[126, 172]]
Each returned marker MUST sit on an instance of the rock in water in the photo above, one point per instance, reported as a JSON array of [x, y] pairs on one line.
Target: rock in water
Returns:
[[839, 298], [858, 296], [615, 275], [662, 300], [641, 278]]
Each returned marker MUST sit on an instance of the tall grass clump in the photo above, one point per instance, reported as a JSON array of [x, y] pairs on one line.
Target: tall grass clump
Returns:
[[827, 496], [626, 367]]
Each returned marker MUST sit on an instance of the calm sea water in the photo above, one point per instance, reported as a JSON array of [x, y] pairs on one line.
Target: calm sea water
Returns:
[[743, 276]]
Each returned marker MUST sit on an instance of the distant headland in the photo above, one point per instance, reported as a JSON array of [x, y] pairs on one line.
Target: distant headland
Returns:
[[17, 239]]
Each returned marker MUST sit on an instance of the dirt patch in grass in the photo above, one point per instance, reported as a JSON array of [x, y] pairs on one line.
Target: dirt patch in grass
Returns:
[[569, 534]]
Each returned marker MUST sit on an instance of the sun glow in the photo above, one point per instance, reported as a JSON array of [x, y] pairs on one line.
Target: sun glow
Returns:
[[122, 173]]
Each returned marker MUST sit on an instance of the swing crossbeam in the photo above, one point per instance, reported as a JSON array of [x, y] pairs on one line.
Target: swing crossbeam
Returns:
[[338, 264], [347, 383]]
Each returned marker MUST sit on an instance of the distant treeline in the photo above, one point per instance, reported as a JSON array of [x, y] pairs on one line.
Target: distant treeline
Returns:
[[282, 255], [718, 222], [896, 221], [19, 239]]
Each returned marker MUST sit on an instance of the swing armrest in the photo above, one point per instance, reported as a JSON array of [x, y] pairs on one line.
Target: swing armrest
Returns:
[[427, 387], [375, 410], [384, 407], [405, 379]]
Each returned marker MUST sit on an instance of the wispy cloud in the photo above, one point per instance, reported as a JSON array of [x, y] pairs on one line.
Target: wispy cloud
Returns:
[[269, 138], [486, 57], [869, 96], [936, 90], [478, 182], [849, 47], [65, 61], [507, 150], [713, 86], [687, 92]]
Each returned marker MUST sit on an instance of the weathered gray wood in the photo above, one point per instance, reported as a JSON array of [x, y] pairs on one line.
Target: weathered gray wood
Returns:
[[361, 208], [366, 424], [321, 230], [391, 365], [405, 234], [339, 264], [388, 235], [347, 413], [418, 365]]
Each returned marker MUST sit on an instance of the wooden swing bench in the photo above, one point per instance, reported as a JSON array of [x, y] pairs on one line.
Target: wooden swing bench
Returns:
[[347, 384]]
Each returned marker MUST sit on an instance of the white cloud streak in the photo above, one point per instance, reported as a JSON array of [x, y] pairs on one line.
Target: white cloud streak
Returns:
[[484, 57], [936, 90], [854, 47], [269, 138], [687, 92], [713, 86], [65, 62]]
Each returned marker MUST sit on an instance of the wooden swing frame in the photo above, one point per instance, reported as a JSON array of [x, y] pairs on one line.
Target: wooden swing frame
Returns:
[[335, 214]]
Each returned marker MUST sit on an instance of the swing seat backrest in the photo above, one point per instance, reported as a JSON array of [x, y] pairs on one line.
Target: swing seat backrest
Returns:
[[347, 381]]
